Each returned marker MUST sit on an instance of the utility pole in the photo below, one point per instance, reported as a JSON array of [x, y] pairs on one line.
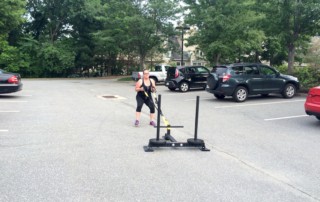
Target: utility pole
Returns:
[[185, 27]]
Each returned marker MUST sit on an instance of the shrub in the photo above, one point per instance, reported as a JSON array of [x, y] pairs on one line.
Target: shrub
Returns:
[[308, 76]]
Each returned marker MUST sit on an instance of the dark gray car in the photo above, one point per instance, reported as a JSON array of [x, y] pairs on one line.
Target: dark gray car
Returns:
[[186, 77], [242, 79]]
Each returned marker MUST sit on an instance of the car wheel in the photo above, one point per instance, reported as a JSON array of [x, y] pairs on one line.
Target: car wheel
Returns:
[[318, 117], [154, 78], [218, 96], [289, 91], [172, 89], [240, 94], [184, 87]]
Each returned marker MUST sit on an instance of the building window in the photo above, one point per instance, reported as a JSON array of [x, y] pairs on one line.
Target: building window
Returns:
[[199, 53], [179, 64]]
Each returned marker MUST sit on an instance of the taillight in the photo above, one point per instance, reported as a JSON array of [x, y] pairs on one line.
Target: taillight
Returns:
[[226, 77], [176, 74], [13, 79], [139, 76]]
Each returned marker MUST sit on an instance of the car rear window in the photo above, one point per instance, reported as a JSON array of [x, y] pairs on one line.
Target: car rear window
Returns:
[[219, 70], [171, 72]]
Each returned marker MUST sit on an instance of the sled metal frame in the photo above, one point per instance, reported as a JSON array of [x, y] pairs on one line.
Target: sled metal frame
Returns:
[[170, 141]]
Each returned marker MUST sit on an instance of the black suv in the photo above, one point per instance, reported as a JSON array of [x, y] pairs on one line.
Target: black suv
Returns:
[[186, 77], [242, 79]]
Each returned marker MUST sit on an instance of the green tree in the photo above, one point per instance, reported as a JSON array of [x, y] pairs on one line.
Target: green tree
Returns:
[[50, 24], [84, 24], [135, 26], [11, 12], [11, 57], [312, 54], [227, 29], [291, 22]]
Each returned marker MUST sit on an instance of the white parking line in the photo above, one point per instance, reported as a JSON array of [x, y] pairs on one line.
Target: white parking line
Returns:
[[2, 130], [25, 95], [286, 117], [10, 101], [257, 104], [9, 111]]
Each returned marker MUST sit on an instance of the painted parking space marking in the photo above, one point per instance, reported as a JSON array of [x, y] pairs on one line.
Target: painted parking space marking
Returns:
[[9, 111], [11, 101], [25, 95], [286, 117], [3, 130], [258, 104]]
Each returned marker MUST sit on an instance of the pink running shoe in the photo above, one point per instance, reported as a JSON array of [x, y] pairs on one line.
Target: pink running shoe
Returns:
[[152, 123]]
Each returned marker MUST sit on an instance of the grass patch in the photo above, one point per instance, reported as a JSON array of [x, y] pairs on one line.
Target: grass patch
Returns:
[[125, 79]]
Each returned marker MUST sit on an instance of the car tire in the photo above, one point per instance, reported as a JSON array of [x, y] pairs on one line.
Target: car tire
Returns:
[[289, 91], [318, 117], [240, 94], [155, 79], [219, 97], [172, 89], [184, 87]]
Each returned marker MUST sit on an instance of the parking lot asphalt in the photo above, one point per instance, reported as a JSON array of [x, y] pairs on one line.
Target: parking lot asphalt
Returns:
[[74, 140]]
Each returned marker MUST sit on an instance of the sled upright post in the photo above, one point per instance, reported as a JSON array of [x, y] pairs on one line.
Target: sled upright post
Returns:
[[169, 141]]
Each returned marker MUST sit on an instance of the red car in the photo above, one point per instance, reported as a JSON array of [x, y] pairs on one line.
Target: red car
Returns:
[[312, 104]]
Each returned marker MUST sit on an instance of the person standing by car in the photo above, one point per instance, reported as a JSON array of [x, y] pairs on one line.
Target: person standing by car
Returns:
[[144, 87]]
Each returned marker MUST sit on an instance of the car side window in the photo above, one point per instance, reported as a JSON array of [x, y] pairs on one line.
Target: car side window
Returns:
[[191, 70], [157, 69], [183, 70], [238, 70], [202, 70], [267, 71], [251, 70]]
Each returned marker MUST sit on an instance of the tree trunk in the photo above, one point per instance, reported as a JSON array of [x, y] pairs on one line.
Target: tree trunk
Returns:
[[271, 59], [142, 65], [291, 54], [217, 59], [257, 60]]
